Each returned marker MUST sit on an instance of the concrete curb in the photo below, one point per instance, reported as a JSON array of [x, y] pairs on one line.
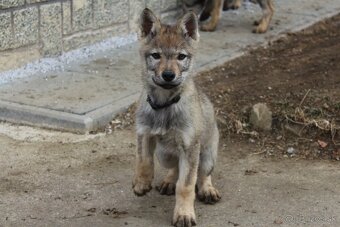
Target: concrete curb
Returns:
[[46, 118]]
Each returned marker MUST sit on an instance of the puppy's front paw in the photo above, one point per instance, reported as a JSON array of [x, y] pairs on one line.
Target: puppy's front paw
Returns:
[[209, 195], [140, 188], [184, 218], [167, 188]]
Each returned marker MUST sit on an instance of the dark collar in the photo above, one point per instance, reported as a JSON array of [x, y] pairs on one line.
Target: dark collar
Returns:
[[155, 106]]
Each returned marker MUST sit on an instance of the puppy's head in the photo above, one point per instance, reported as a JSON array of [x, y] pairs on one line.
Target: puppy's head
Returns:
[[167, 51]]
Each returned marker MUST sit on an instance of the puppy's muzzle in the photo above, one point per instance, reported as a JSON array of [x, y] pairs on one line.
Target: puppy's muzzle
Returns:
[[168, 76], [167, 80]]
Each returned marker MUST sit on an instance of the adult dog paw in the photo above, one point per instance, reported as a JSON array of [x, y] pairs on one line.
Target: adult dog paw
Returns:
[[208, 27]]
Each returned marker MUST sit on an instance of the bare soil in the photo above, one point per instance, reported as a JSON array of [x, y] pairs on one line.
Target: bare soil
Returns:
[[298, 77]]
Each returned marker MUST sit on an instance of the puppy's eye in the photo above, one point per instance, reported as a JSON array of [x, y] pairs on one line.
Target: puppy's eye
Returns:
[[181, 57], [156, 56]]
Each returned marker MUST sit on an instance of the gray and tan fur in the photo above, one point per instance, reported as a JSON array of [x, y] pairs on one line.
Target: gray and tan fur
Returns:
[[183, 135]]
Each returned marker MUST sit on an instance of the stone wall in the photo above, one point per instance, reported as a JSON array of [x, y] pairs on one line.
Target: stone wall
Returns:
[[32, 29]]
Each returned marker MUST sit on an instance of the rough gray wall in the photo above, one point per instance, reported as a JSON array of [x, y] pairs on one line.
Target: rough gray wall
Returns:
[[31, 29]]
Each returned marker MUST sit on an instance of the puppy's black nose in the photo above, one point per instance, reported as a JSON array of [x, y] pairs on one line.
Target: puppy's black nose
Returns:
[[168, 76]]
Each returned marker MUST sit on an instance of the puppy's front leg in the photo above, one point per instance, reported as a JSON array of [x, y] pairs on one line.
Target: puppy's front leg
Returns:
[[184, 214], [144, 164]]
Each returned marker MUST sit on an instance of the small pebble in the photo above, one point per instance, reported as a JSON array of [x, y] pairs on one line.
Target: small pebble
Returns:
[[290, 150]]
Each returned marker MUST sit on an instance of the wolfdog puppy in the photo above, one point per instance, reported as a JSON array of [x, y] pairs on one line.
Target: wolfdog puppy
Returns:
[[175, 120]]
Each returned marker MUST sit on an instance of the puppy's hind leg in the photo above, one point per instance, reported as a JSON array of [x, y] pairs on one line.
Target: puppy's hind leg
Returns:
[[168, 186], [144, 165], [207, 193]]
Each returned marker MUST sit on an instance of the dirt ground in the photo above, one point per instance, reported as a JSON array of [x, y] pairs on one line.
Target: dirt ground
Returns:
[[59, 179], [298, 77]]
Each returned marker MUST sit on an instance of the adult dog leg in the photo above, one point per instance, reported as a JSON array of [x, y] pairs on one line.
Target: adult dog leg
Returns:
[[215, 16], [268, 11]]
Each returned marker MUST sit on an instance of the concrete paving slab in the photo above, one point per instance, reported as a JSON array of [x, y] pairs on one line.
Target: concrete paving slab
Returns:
[[85, 96]]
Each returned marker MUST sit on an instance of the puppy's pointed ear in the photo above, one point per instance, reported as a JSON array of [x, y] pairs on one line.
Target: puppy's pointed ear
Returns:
[[149, 24], [189, 26]]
